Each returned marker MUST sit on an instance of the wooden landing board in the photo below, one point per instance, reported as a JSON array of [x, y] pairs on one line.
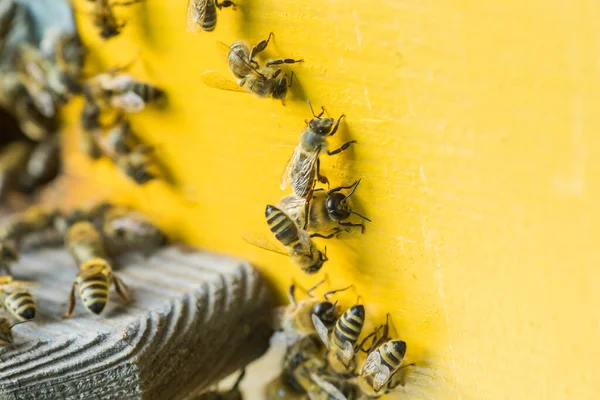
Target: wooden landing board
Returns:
[[195, 317]]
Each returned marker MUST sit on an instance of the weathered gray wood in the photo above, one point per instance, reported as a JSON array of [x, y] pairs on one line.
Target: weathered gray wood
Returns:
[[195, 318]]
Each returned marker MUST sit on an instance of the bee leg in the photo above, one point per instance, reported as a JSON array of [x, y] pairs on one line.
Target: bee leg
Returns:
[[71, 302], [282, 61], [330, 292], [344, 147], [310, 290], [260, 46], [321, 178], [337, 189], [337, 231], [336, 126], [225, 3], [362, 227], [393, 385], [121, 289]]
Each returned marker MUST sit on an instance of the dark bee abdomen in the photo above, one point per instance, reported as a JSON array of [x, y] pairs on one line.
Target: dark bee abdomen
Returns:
[[349, 326], [94, 293], [21, 304], [210, 18], [392, 353], [282, 226], [147, 92]]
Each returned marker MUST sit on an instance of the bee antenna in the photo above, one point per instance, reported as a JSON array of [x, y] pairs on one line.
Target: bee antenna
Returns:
[[359, 299], [359, 215], [353, 188], [324, 258]]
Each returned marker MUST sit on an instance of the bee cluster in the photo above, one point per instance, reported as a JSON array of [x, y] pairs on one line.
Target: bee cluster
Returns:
[[95, 236], [323, 344]]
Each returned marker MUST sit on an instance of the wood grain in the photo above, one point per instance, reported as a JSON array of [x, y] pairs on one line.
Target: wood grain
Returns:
[[195, 318]]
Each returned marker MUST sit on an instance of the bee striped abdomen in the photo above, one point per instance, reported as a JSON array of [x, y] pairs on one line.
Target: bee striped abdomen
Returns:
[[147, 92], [21, 304], [392, 353], [210, 18], [282, 226], [349, 326], [94, 293]]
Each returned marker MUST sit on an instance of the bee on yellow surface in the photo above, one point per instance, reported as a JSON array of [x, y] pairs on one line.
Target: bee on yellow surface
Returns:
[[379, 368], [84, 242], [120, 91], [43, 165], [232, 394], [202, 14], [104, 17], [6, 336], [303, 168], [327, 210], [126, 230], [263, 81], [93, 280], [300, 248], [342, 343], [16, 298], [296, 318]]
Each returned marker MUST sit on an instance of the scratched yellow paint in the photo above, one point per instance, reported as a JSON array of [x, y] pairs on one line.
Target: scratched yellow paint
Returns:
[[477, 126]]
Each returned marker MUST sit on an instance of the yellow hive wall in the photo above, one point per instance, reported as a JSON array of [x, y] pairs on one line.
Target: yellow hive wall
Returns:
[[477, 139]]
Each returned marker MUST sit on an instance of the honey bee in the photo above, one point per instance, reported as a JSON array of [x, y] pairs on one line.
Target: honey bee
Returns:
[[120, 91], [16, 298], [202, 14], [263, 81], [305, 370], [296, 318], [299, 245], [43, 165], [65, 54], [127, 230], [89, 212], [13, 159], [6, 330], [327, 210], [104, 17], [84, 242], [342, 343], [232, 394], [379, 368], [303, 167], [93, 280]]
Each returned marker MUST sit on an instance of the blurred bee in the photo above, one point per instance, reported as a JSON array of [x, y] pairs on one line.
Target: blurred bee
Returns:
[[202, 14], [305, 369], [327, 210], [13, 159], [33, 220], [89, 212], [140, 165], [84, 242], [232, 394], [43, 165], [296, 318], [381, 365], [299, 245], [91, 129], [6, 330], [303, 167], [342, 343], [120, 91], [16, 298], [104, 17], [126, 230], [65, 54], [263, 81], [93, 281], [8, 256]]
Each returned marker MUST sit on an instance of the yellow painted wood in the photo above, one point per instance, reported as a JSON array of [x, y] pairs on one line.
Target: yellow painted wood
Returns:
[[478, 145]]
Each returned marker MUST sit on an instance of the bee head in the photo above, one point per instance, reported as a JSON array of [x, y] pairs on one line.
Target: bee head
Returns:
[[321, 126], [325, 311], [337, 206]]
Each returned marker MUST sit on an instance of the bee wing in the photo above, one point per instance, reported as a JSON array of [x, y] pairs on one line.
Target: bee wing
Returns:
[[119, 82], [328, 387], [347, 352], [129, 102], [294, 207], [263, 244], [286, 176], [196, 11], [372, 364], [321, 330], [216, 80], [381, 377]]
